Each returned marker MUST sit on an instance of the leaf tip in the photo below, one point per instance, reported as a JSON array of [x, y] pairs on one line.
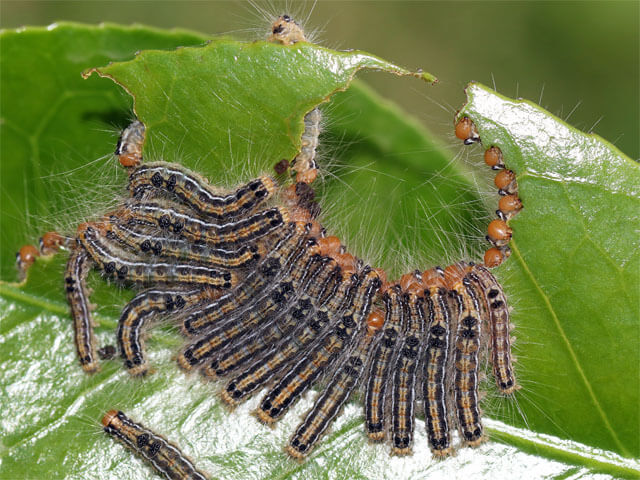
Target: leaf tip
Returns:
[[89, 71]]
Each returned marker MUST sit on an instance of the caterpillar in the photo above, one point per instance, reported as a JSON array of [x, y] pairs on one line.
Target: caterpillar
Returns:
[[195, 192], [137, 314], [77, 291], [165, 457]]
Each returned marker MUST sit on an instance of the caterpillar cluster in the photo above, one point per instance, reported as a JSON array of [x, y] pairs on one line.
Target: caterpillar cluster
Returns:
[[267, 299], [498, 232]]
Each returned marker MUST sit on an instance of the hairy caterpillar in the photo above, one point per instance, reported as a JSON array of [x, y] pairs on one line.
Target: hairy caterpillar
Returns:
[[165, 457]]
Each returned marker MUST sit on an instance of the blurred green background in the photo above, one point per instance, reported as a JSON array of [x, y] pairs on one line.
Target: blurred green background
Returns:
[[577, 59]]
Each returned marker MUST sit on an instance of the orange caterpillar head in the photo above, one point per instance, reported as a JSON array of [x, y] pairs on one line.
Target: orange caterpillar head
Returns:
[[129, 147], [382, 275], [454, 274], [433, 277], [375, 321], [499, 232], [101, 227], [308, 176], [466, 130], [347, 262], [286, 31], [50, 243], [330, 246], [505, 181], [302, 215], [412, 283], [108, 417], [25, 257], [510, 204], [493, 158]]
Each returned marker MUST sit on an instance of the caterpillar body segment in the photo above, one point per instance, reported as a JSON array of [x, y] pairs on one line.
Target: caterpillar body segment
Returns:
[[381, 364]]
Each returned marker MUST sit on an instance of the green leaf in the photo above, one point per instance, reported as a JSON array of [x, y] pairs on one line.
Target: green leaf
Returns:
[[384, 167], [574, 272]]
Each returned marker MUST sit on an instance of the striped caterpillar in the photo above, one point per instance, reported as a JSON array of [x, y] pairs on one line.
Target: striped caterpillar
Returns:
[[329, 317], [165, 457]]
